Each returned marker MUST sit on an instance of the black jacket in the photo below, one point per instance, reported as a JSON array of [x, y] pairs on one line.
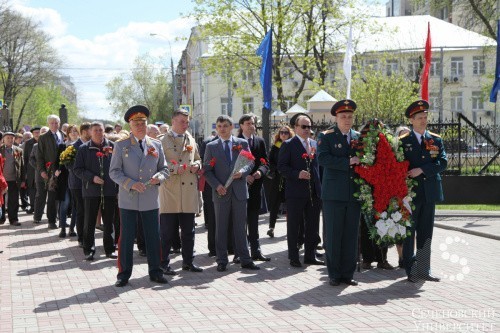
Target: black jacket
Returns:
[[87, 166]]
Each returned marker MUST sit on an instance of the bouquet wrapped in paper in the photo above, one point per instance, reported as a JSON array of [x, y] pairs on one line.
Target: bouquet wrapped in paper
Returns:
[[245, 158]]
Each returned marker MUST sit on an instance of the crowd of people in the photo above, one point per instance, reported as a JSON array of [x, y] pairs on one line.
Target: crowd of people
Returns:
[[147, 185]]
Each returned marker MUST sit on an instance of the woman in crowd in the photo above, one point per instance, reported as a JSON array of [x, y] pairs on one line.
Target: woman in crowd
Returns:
[[277, 193], [73, 135]]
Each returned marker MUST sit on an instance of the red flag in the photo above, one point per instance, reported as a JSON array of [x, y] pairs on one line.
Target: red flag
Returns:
[[424, 80]]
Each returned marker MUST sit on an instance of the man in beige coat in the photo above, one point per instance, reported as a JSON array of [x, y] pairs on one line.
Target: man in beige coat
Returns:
[[179, 199]]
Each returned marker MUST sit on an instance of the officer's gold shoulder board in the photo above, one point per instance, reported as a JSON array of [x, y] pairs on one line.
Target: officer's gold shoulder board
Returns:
[[328, 131], [403, 136], [434, 134]]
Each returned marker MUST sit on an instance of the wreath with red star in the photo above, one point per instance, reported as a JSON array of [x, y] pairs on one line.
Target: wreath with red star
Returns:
[[385, 189]]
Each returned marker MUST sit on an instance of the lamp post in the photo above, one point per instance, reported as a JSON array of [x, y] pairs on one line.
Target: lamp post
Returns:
[[174, 83]]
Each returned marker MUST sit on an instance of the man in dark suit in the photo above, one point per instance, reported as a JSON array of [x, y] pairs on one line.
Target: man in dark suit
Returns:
[[48, 153], [208, 204], [254, 181], [425, 152], [341, 209], [219, 162], [297, 162], [29, 170], [13, 171]]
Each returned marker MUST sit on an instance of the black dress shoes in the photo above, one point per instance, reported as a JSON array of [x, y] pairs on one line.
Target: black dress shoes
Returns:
[[121, 283], [334, 282], [411, 279], [313, 262], [431, 278], [295, 263], [72, 233], [142, 253], [251, 266], [192, 268], [236, 260], [351, 282], [90, 256], [212, 254], [158, 279], [15, 223], [62, 234], [221, 267], [52, 226], [260, 257], [270, 233], [168, 270]]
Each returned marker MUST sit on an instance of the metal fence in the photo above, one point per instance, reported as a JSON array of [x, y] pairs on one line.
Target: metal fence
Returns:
[[471, 149]]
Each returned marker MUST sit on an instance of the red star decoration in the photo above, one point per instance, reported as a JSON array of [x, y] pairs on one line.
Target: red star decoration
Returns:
[[387, 176]]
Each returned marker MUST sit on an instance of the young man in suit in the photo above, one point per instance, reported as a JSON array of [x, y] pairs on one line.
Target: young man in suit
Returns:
[[297, 162], [254, 181], [341, 209], [425, 152], [48, 153], [30, 171], [219, 161], [14, 173], [138, 166]]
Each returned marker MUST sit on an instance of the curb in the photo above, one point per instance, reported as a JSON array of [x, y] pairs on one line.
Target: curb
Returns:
[[467, 231]]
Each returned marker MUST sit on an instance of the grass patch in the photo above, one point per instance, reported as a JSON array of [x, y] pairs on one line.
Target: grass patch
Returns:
[[469, 207]]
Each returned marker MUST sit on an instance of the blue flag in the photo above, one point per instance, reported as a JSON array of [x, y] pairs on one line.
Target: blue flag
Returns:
[[496, 85], [265, 50]]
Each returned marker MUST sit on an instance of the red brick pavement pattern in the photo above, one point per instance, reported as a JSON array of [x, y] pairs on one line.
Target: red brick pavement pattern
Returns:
[[46, 286]]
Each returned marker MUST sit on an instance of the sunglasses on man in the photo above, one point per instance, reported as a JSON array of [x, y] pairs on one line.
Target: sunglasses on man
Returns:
[[305, 126]]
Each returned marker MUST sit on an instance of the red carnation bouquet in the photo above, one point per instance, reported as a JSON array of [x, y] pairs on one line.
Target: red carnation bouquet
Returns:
[[385, 190], [245, 158]]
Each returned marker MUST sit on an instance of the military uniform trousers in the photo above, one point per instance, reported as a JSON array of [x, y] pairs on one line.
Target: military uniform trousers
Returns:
[[423, 218], [169, 230], [341, 243], [150, 225]]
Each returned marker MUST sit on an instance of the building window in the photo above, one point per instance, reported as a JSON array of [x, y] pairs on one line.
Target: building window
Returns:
[[391, 67], [288, 102], [413, 68], [247, 75], [435, 67], [224, 101], [371, 64], [457, 66], [456, 102], [478, 65], [477, 101], [434, 102], [247, 105]]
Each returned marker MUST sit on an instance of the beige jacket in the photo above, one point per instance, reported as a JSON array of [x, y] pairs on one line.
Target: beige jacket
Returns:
[[179, 194]]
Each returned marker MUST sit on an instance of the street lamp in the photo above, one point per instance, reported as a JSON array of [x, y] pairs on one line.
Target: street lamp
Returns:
[[174, 83]]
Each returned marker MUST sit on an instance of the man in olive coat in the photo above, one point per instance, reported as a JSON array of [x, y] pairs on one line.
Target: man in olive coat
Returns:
[[179, 198]]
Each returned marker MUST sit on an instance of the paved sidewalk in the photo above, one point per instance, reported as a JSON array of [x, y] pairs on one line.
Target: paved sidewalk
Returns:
[[479, 223], [47, 286]]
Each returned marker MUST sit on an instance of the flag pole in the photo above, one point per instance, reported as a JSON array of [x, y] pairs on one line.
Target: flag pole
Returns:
[[349, 53]]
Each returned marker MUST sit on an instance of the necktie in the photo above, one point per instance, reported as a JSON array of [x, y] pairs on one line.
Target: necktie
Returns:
[[56, 138], [308, 147], [140, 145], [422, 142], [227, 151], [346, 138], [250, 143]]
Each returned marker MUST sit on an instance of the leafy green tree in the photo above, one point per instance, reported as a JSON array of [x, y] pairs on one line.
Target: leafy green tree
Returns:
[[146, 83], [27, 60], [305, 40]]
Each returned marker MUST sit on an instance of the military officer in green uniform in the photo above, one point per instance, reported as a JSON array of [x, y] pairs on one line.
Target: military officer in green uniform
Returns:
[[425, 152], [341, 210]]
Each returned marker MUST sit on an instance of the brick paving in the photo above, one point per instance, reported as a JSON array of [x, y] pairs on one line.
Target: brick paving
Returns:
[[46, 286]]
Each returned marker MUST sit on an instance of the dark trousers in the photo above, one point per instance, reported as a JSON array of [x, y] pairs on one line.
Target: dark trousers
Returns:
[[91, 205], [78, 212], [32, 197], [209, 216], [342, 226], [43, 195], [423, 218], [370, 251], [302, 211], [128, 225], [23, 194], [13, 201], [169, 230], [276, 198], [253, 208]]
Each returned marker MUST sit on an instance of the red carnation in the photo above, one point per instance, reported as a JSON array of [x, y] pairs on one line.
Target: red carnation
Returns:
[[247, 155], [48, 164], [174, 162], [263, 161], [99, 154], [305, 156], [212, 162]]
